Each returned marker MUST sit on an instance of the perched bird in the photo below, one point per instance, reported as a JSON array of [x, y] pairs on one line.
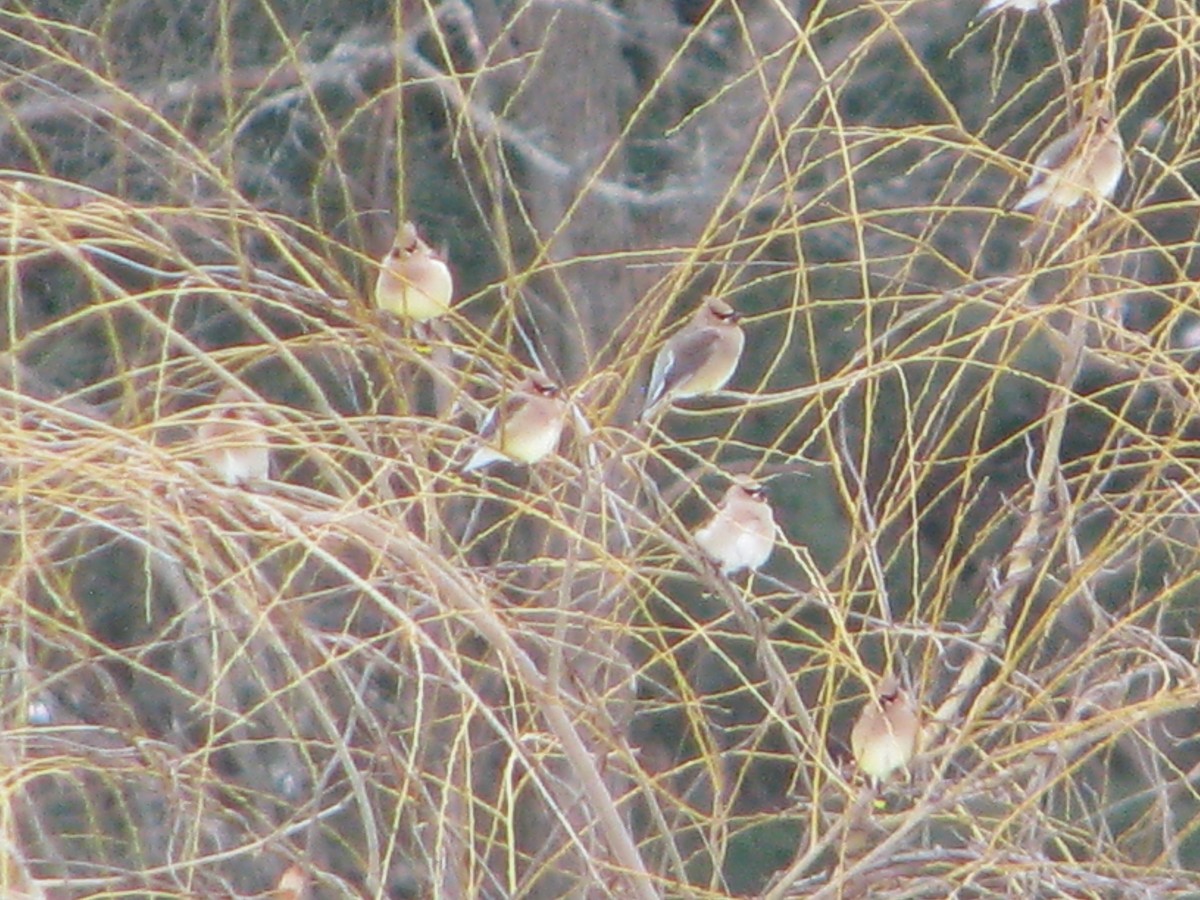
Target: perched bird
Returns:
[[1086, 162], [741, 534], [1022, 5], [699, 359], [524, 427], [885, 736], [413, 282], [234, 440]]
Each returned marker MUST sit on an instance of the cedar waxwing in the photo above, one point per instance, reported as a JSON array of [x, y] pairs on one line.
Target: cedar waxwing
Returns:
[[413, 282], [234, 440], [885, 736], [525, 426], [699, 359], [741, 534], [1086, 162], [1022, 5]]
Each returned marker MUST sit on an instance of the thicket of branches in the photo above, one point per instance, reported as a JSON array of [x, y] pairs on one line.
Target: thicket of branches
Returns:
[[391, 679]]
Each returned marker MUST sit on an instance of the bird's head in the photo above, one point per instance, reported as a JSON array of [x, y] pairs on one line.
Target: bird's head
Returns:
[[718, 312], [537, 383]]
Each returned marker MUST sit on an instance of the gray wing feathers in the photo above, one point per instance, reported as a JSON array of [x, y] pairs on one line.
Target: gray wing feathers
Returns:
[[679, 360]]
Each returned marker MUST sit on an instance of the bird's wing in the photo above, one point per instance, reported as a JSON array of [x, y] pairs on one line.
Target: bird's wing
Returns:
[[1057, 154], [690, 353], [501, 414], [658, 376], [1045, 170]]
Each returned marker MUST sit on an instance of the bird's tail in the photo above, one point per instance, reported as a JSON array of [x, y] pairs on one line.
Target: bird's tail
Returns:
[[484, 456]]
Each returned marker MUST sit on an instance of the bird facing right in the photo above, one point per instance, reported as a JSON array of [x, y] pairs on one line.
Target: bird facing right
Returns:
[[886, 734], [741, 534], [1085, 163], [525, 427], [413, 282], [699, 359]]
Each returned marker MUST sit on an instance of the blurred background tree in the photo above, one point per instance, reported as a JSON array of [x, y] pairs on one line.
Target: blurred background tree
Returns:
[[388, 679]]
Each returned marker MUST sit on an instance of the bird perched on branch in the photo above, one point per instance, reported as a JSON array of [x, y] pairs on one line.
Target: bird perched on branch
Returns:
[[699, 359], [1085, 163], [234, 439], [413, 283], [886, 734], [524, 427], [741, 534]]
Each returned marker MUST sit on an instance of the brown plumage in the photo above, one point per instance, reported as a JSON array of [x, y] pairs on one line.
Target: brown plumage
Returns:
[[886, 734], [699, 359], [413, 283], [1085, 163], [741, 534], [525, 427]]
